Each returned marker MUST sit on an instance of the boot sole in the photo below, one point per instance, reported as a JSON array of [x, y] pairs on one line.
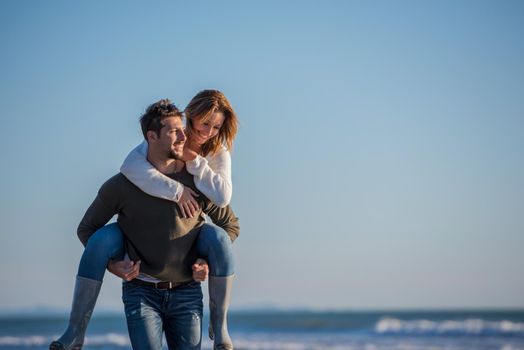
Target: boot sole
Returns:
[[56, 346], [59, 346]]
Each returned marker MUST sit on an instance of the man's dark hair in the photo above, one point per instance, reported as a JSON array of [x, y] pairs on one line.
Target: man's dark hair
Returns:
[[151, 120]]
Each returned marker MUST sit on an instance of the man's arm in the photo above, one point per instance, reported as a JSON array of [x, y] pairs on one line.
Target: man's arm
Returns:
[[103, 208], [224, 218]]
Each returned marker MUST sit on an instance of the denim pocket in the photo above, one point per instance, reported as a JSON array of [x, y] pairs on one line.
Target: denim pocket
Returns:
[[192, 284], [130, 299], [129, 288]]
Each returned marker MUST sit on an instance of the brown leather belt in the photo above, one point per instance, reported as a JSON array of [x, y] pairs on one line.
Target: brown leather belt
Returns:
[[159, 285]]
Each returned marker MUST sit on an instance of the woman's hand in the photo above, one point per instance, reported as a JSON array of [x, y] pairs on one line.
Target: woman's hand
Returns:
[[188, 154], [200, 270], [187, 203]]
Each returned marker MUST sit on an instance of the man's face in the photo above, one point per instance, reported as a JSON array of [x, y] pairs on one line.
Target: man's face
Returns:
[[172, 138]]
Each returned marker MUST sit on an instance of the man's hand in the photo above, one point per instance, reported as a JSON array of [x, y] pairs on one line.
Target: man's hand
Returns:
[[187, 203], [125, 269], [200, 270]]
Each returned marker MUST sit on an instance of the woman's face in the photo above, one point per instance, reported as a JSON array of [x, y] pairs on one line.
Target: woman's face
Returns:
[[204, 131]]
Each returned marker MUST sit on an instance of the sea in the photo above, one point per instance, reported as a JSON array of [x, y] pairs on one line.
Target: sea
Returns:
[[303, 330]]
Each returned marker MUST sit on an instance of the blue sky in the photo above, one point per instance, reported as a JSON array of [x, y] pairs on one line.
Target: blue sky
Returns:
[[379, 163]]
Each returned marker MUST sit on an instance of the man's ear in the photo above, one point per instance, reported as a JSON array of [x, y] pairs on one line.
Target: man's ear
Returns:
[[151, 135]]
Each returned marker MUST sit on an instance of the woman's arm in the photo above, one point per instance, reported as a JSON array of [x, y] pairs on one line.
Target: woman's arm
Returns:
[[213, 176], [145, 176]]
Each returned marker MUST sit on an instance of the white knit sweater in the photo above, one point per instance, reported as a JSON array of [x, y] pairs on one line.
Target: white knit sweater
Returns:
[[212, 176]]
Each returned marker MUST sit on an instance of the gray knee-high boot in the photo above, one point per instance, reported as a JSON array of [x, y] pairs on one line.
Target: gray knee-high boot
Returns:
[[84, 300], [219, 299]]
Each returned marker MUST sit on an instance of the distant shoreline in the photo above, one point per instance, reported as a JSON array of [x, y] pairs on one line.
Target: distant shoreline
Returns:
[[39, 312]]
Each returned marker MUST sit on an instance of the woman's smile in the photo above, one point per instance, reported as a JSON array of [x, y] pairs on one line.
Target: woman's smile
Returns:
[[206, 130]]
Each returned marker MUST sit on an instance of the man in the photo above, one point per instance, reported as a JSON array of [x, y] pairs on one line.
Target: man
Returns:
[[159, 241]]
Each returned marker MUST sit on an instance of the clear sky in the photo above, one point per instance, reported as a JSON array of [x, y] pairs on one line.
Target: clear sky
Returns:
[[379, 163]]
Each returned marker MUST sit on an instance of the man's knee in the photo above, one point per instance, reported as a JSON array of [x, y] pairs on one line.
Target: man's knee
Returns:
[[190, 335]]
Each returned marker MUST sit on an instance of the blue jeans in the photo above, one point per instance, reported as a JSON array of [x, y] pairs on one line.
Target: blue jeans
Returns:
[[150, 311], [214, 245], [107, 243]]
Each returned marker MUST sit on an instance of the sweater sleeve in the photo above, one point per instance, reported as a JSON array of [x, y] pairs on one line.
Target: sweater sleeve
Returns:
[[212, 176], [145, 176], [224, 218], [103, 208]]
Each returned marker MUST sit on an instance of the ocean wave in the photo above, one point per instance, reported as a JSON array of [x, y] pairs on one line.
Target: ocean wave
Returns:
[[285, 341], [388, 325], [109, 339], [31, 340]]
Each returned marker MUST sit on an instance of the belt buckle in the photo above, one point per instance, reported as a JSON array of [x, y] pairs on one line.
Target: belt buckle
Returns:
[[169, 285]]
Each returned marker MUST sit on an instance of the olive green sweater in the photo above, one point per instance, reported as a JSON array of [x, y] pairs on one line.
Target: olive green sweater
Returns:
[[154, 229]]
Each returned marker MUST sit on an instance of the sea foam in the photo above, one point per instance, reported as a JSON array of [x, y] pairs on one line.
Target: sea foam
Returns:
[[109, 339], [388, 325]]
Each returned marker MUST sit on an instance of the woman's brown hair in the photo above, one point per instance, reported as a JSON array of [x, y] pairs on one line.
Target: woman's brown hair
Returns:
[[202, 107]]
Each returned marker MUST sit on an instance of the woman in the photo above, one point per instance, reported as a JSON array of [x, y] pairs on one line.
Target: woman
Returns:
[[211, 128]]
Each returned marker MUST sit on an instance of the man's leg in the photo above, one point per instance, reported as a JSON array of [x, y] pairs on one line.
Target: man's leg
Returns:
[[144, 316], [183, 323]]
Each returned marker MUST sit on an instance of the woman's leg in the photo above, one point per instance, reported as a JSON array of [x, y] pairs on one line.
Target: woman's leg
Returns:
[[214, 245], [105, 244]]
